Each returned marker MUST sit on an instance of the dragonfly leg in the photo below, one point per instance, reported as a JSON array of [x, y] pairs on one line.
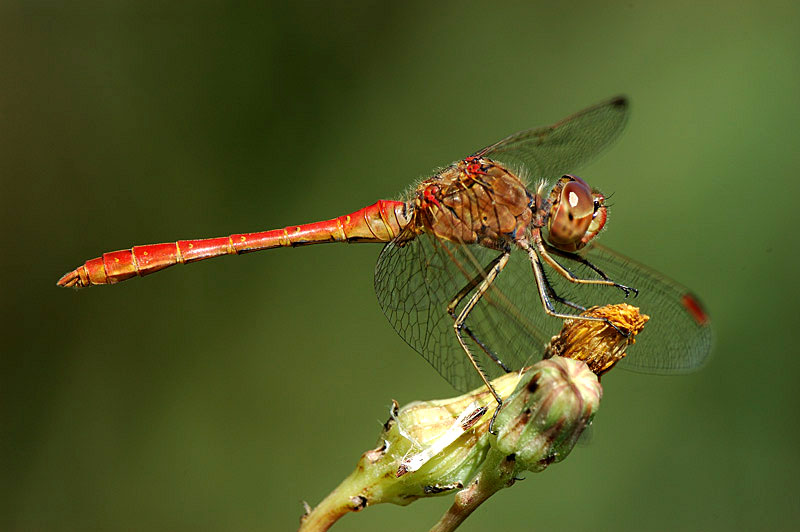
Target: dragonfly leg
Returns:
[[569, 276], [555, 297], [459, 297], [586, 262], [542, 285], [486, 350], [491, 272]]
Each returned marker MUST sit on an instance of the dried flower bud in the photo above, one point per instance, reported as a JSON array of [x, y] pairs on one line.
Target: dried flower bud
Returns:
[[597, 343]]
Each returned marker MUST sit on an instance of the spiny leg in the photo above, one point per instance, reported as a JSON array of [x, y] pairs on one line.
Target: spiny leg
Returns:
[[485, 349], [495, 267], [557, 298], [541, 284], [586, 262], [569, 276], [451, 309]]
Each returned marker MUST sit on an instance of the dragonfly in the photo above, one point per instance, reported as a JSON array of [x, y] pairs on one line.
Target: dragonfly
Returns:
[[483, 260]]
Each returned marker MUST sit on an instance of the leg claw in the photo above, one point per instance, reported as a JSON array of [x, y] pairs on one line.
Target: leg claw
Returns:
[[627, 290]]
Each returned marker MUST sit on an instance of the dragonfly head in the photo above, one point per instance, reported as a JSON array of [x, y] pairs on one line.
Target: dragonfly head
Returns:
[[577, 214]]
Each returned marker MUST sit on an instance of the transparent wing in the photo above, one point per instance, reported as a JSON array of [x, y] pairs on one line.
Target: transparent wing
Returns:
[[678, 337], [416, 279], [551, 151]]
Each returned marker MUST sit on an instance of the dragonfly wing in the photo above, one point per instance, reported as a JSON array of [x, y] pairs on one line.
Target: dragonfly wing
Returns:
[[551, 151], [678, 337], [416, 279]]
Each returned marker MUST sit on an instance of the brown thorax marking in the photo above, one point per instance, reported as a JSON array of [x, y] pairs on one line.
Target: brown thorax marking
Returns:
[[475, 200]]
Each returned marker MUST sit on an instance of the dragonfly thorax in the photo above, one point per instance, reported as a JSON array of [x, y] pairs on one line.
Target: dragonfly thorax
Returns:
[[474, 201]]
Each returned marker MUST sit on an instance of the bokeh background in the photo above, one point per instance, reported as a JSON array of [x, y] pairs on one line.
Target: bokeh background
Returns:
[[218, 396]]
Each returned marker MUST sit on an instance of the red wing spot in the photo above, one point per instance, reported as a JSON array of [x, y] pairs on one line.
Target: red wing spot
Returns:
[[693, 306]]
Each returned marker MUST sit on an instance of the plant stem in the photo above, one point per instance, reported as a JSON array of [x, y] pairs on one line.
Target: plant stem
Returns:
[[332, 508], [498, 474]]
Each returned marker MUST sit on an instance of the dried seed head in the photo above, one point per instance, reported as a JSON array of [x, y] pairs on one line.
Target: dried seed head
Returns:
[[597, 343]]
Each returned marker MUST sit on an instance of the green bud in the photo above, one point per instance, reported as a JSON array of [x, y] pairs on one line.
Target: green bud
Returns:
[[544, 417], [430, 448]]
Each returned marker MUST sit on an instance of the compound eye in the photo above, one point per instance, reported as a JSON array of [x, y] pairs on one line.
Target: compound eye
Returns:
[[598, 218], [571, 215]]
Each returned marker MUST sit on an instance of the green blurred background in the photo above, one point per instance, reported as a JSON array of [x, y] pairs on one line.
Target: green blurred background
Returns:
[[218, 396]]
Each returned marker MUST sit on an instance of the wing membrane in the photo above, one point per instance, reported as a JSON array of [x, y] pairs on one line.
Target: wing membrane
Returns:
[[561, 148], [416, 279], [678, 337]]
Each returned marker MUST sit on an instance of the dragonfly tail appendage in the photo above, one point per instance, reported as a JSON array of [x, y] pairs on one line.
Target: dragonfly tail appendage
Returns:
[[379, 222]]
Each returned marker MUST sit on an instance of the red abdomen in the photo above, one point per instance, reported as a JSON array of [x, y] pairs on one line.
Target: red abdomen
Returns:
[[379, 222]]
